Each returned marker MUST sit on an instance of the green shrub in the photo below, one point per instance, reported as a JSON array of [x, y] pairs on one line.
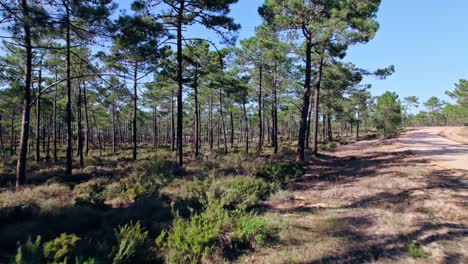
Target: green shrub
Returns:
[[194, 240], [165, 169], [253, 230], [90, 193], [280, 172], [416, 251], [191, 240], [30, 253], [61, 248], [241, 192], [132, 240]]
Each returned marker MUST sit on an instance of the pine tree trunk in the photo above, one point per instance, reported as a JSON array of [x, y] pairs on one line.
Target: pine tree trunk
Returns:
[[180, 18], [300, 151], [223, 125], [21, 164], [232, 128], [246, 119], [210, 121], [87, 131], [172, 123], [38, 114], [259, 103], [12, 132], [196, 117], [317, 83], [330, 133], [274, 112], [69, 163], [80, 127], [135, 110]]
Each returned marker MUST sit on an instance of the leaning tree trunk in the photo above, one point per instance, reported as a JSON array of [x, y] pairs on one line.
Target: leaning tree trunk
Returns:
[[317, 83], [21, 164], [300, 151]]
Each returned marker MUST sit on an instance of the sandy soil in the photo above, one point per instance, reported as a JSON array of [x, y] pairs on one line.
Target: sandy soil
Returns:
[[368, 202], [427, 142]]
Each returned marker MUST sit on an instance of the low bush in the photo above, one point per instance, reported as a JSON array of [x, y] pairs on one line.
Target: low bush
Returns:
[[90, 193], [191, 240], [132, 241], [162, 168], [194, 240], [61, 248], [280, 172], [416, 251], [30, 252], [241, 192]]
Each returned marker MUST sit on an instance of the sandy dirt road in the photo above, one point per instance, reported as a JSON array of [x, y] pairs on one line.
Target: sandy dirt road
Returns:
[[426, 142]]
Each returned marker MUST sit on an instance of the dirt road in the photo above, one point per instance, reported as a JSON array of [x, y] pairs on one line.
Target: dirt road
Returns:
[[426, 142]]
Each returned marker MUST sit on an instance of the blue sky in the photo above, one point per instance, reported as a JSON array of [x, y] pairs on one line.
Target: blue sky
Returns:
[[426, 40]]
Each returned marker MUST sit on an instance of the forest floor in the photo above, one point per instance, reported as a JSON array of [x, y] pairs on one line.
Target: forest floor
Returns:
[[373, 201]]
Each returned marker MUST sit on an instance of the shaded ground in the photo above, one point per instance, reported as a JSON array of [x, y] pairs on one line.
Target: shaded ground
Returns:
[[367, 202]]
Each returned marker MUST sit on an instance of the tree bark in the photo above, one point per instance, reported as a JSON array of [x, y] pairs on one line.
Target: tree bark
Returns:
[[259, 102], [180, 149], [196, 117], [21, 164], [300, 151], [274, 111], [135, 110], [87, 131], [317, 83], [80, 127], [38, 114], [69, 163]]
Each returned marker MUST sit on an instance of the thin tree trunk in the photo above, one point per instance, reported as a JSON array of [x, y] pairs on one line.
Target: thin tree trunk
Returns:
[[87, 131], [330, 133], [172, 123], [69, 163], [210, 121], [12, 132], [259, 102], [274, 111], [80, 127], [223, 125], [38, 114], [135, 109], [180, 149], [21, 164], [317, 83], [196, 117], [232, 128], [300, 151], [246, 119], [54, 119]]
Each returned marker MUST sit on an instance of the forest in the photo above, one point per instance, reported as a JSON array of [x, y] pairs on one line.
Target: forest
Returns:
[[154, 134]]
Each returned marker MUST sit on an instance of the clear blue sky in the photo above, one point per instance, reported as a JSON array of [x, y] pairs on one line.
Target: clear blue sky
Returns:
[[426, 40]]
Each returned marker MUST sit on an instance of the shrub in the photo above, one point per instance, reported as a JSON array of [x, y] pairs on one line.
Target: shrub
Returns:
[[30, 253], [253, 230], [61, 248], [241, 192], [194, 240], [131, 244], [191, 240], [89, 193], [165, 169], [416, 251], [280, 172]]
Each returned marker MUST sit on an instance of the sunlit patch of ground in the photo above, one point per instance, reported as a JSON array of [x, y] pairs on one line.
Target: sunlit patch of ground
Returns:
[[370, 202]]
